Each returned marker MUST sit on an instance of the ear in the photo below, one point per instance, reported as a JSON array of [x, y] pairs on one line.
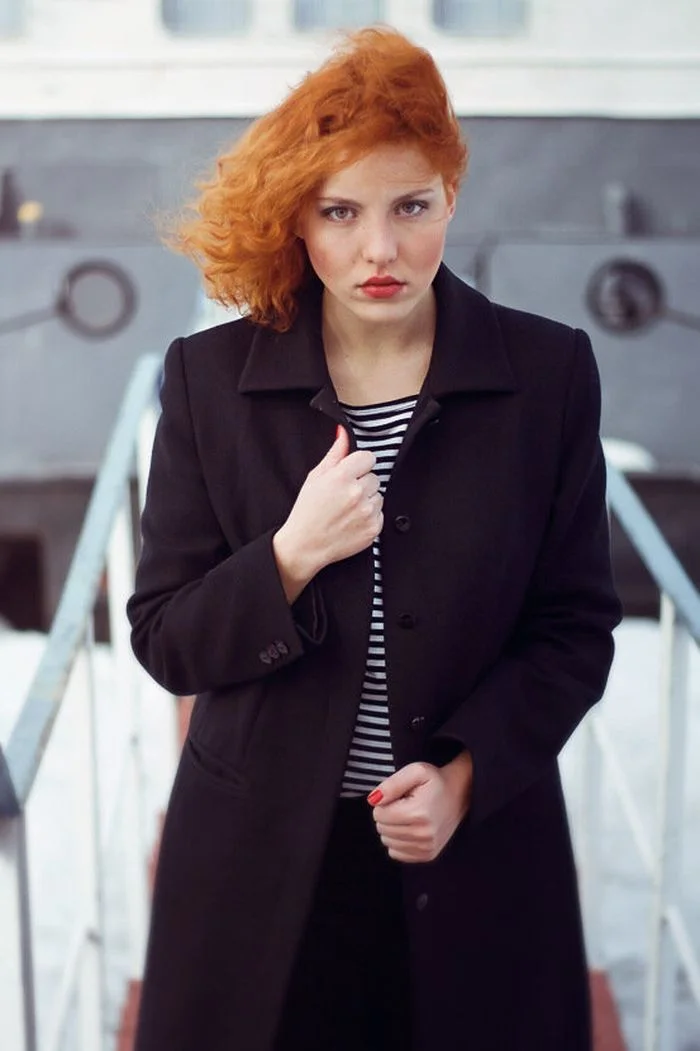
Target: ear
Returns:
[[451, 195]]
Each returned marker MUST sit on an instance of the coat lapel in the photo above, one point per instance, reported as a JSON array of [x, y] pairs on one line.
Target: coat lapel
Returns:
[[469, 355]]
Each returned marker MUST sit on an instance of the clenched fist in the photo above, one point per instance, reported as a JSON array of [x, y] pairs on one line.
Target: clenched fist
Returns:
[[418, 808], [337, 513]]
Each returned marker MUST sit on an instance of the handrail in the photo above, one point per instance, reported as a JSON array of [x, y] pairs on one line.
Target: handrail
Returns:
[[32, 731], [65, 680], [679, 626], [654, 549]]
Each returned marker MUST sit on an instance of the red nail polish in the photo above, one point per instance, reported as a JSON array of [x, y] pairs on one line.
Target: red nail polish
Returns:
[[375, 797]]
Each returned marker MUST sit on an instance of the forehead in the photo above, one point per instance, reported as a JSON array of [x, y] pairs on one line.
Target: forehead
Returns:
[[394, 167]]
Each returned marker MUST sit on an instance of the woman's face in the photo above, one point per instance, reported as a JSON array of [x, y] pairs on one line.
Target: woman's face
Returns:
[[375, 233]]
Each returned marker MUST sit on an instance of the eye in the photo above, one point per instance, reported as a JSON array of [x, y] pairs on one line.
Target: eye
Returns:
[[412, 208], [338, 213]]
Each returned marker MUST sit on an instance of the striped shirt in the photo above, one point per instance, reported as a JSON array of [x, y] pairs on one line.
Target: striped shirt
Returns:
[[381, 429]]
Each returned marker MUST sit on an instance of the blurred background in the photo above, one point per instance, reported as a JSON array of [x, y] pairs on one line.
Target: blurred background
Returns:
[[583, 123], [582, 202]]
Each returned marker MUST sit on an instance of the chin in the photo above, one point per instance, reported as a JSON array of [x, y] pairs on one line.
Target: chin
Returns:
[[382, 311], [402, 303]]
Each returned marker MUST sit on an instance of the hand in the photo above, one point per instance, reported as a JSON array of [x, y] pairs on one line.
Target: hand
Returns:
[[337, 513], [420, 806]]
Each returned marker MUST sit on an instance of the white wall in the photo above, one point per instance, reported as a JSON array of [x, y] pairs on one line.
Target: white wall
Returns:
[[103, 58]]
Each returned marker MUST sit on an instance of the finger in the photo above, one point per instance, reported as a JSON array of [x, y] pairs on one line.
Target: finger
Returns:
[[376, 502], [399, 814], [407, 855], [405, 835], [401, 783], [370, 484], [338, 451], [359, 463]]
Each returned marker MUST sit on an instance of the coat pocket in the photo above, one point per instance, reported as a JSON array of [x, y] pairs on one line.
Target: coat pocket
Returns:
[[211, 768]]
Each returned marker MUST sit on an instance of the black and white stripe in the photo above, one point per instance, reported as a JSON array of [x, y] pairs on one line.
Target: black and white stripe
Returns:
[[381, 428]]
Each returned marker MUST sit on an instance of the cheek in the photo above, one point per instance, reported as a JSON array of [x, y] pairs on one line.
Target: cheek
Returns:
[[322, 255], [427, 251]]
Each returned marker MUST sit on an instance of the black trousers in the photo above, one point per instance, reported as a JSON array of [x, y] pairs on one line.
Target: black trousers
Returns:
[[350, 986]]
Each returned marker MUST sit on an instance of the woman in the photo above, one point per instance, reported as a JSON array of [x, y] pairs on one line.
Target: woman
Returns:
[[375, 545]]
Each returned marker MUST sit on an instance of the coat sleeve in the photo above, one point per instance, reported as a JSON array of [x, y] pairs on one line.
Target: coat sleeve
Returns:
[[557, 661], [208, 611]]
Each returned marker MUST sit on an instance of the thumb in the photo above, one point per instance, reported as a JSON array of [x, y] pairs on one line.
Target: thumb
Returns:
[[399, 784], [338, 450]]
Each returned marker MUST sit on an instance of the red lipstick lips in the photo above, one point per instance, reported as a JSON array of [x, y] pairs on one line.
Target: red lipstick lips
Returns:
[[382, 287], [386, 280]]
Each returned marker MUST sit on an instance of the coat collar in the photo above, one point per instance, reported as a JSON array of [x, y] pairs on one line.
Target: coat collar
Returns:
[[469, 352]]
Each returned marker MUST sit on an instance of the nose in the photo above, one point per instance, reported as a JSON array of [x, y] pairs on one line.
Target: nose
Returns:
[[379, 243]]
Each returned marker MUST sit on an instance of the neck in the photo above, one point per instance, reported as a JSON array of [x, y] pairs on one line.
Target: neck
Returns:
[[344, 333], [370, 363]]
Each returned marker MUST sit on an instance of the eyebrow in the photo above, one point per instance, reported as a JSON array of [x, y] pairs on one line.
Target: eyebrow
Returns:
[[427, 191]]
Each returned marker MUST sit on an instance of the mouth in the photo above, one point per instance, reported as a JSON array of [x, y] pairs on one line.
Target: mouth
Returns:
[[382, 287], [382, 282]]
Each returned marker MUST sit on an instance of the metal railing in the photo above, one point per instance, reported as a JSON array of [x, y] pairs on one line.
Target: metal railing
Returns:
[[106, 542], [67, 666], [669, 944]]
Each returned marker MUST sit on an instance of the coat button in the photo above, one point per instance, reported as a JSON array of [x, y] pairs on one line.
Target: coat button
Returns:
[[402, 523], [417, 722], [265, 657], [421, 902], [406, 620], [282, 647], [273, 651]]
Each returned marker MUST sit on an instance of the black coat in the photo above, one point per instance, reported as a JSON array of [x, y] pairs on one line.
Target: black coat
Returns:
[[496, 543]]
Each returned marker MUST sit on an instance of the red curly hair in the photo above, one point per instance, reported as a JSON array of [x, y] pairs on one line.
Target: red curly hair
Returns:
[[377, 87]]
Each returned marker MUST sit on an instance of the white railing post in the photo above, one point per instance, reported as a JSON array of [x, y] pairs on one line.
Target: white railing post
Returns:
[[590, 832], [144, 450], [120, 576], [17, 1003], [90, 984], [660, 996]]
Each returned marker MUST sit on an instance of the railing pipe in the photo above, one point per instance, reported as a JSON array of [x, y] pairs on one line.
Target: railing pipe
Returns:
[[90, 971], [590, 845], [144, 450], [669, 575], [67, 660], [685, 950], [17, 1001], [660, 998], [53, 1026], [34, 724], [120, 576], [619, 782], [669, 941]]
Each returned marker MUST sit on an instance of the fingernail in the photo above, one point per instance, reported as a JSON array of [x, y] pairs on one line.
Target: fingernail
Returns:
[[338, 431], [375, 797]]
